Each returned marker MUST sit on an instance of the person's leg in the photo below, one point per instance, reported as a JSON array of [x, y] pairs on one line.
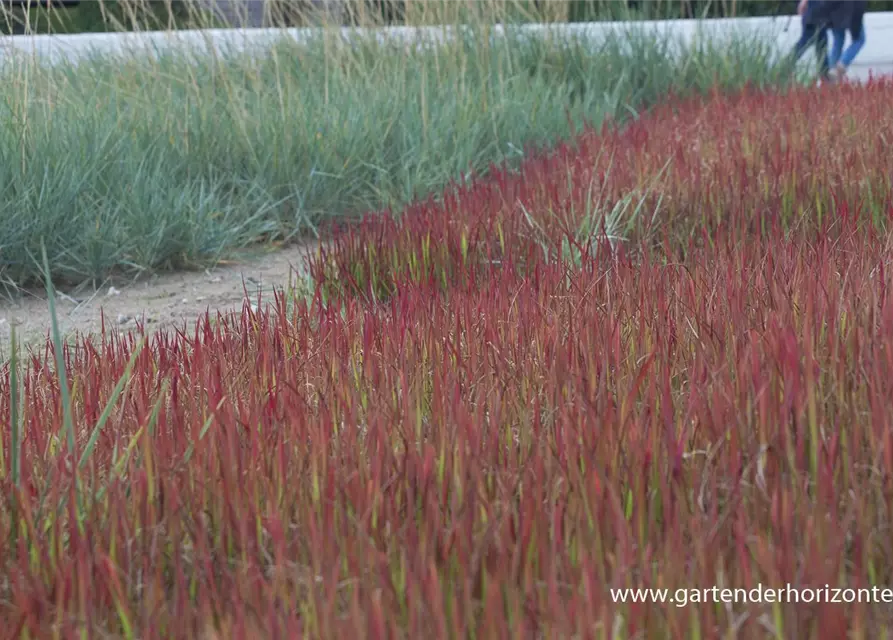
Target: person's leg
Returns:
[[839, 37], [858, 35], [806, 38], [821, 50]]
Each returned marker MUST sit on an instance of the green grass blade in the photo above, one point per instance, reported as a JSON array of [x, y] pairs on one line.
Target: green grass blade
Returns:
[[68, 421], [15, 440], [153, 420], [110, 405], [191, 448]]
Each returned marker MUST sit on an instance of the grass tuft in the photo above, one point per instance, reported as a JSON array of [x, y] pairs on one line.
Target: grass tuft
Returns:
[[176, 160]]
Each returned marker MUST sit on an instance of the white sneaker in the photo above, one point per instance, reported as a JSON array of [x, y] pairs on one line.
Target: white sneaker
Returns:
[[839, 72]]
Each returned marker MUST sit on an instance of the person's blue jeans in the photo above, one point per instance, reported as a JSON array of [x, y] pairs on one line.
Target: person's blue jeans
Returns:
[[818, 36], [837, 53]]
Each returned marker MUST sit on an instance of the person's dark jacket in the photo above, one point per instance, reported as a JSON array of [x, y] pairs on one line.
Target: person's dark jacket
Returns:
[[833, 14]]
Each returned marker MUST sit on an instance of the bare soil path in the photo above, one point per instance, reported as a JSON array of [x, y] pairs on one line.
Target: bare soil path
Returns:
[[161, 301]]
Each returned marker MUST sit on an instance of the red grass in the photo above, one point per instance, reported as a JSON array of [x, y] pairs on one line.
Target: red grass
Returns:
[[493, 461], [729, 165]]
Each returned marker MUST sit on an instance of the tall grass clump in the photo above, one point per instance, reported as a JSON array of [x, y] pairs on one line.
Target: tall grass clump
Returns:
[[141, 15], [692, 170], [499, 464], [174, 159]]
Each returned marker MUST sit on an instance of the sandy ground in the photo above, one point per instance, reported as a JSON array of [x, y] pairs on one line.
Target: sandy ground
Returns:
[[161, 301]]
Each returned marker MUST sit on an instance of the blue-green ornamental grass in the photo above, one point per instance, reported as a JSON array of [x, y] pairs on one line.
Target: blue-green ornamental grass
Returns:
[[168, 161]]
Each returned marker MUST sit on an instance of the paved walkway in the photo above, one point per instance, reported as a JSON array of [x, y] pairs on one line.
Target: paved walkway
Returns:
[[876, 69], [875, 58]]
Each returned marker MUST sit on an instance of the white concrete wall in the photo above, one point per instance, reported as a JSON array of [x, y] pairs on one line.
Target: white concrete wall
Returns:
[[877, 53]]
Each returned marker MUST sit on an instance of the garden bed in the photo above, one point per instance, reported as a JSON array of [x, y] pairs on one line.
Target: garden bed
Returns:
[[173, 162], [450, 447]]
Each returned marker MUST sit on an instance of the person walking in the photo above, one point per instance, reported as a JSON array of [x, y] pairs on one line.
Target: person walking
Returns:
[[819, 17], [839, 61], [814, 32]]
